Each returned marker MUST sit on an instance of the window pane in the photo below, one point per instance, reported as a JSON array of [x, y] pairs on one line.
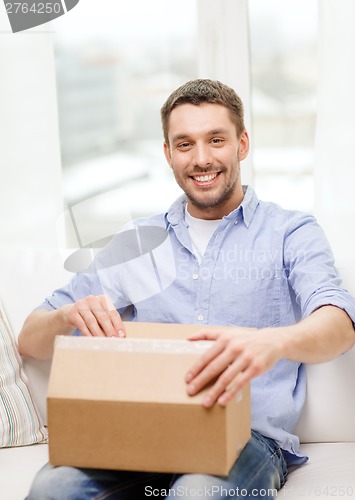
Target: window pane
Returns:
[[115, 67], [284, 79]]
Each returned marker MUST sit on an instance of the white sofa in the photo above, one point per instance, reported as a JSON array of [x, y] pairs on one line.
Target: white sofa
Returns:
[[327, 426]]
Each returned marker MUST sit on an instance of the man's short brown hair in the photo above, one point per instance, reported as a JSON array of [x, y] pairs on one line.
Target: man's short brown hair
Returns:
[[204, 91]]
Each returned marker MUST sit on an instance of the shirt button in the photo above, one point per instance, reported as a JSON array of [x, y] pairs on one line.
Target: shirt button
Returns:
[[200, 317], [195, 276]]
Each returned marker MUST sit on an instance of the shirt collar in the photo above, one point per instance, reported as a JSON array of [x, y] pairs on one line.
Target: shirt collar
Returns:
[[176, 212], [246, 209], [248, 205]]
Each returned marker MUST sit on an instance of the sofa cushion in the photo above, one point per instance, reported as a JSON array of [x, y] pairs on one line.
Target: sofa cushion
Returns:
[[20, 422], [27, 276], [329, 473], [18, 468]]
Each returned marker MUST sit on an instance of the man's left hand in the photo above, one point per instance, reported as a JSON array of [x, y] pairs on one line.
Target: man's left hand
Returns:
[[236, 356]]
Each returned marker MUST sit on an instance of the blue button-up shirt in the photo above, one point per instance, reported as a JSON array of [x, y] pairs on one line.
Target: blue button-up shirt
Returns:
[[263, 267]]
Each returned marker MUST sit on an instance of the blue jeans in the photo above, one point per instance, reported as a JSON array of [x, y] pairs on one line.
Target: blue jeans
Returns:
[[258, 473]]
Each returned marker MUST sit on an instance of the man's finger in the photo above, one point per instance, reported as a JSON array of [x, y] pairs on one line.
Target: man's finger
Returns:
[[79, 323], [203, 335], [91, 322], [226, 382], [238, 383], [118, 329], [204, 360], [117, 323]]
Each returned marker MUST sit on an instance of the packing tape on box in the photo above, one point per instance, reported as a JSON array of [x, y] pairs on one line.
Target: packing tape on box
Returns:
[[134, 345]]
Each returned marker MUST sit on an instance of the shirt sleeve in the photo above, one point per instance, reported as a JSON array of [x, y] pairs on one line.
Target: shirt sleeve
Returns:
[[309, 265], [101, 277]]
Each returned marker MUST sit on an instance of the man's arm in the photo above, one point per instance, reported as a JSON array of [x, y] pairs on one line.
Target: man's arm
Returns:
[[93, 316], [240, 354]]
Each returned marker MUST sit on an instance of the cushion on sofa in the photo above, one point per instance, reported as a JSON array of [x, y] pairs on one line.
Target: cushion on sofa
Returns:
[[27, 275], [328, 474], [20, 422], [18, 468]]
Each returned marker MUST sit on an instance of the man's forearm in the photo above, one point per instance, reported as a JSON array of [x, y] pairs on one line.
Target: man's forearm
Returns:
[[38, 333], [93, 316], [325, 334]]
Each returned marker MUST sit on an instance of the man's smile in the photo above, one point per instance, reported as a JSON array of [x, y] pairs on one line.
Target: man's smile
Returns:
[[205, 179]]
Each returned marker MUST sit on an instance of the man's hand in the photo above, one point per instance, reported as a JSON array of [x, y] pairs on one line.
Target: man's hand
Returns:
[[235, 358], [94, 316], [240, 354]]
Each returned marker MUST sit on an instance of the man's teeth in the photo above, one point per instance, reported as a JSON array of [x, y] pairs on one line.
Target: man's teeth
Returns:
[[205, 178]]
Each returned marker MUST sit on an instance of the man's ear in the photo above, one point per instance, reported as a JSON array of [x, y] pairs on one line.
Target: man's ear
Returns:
[[243, 145], [167, 154]]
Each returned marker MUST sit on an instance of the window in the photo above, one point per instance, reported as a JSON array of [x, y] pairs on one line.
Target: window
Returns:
[[115, 67], [283, 40]]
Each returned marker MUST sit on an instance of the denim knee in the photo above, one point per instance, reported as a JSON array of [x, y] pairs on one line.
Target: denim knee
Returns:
[[58, 483]]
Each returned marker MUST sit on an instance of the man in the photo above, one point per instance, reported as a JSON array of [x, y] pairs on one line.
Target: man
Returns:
[[236, 261]]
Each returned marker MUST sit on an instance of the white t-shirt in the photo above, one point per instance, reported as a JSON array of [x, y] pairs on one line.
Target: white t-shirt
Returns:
[[200, 231]]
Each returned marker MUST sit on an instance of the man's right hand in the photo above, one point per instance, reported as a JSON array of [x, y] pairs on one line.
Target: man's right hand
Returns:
[[94, 316]]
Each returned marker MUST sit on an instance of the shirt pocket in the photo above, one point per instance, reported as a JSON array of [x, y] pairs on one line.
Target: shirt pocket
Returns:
[[252, 297]]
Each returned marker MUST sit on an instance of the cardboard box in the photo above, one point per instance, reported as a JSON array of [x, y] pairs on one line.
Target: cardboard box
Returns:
[[122, 404]]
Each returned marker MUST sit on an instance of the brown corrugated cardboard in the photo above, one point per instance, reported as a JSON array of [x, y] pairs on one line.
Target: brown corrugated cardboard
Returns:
[[122, 404]]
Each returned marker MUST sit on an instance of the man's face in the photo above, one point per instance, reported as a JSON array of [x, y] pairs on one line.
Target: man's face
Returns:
[[204, 154]]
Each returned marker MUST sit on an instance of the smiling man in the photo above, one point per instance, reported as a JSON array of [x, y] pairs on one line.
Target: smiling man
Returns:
[[204, 149], [236, 261]]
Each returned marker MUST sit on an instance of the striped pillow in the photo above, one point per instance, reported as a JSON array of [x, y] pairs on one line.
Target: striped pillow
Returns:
[[20, 423]]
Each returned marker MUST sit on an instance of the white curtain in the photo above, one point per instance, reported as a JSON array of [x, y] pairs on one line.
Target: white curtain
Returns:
[[335, 137], [30, 173]]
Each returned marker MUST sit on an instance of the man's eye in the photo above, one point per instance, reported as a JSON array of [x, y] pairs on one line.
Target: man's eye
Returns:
[[216, 141], [184, 145]]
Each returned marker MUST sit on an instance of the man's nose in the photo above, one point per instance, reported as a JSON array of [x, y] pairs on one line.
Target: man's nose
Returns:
[[203, 157]]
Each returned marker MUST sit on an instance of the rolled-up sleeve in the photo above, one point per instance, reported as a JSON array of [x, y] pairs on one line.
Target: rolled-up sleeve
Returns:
[[310, 268]]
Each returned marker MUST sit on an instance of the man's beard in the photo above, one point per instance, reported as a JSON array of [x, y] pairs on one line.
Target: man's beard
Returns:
[[209, 204]]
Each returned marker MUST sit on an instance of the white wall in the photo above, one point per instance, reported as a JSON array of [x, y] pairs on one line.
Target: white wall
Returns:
[[30, 178]]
